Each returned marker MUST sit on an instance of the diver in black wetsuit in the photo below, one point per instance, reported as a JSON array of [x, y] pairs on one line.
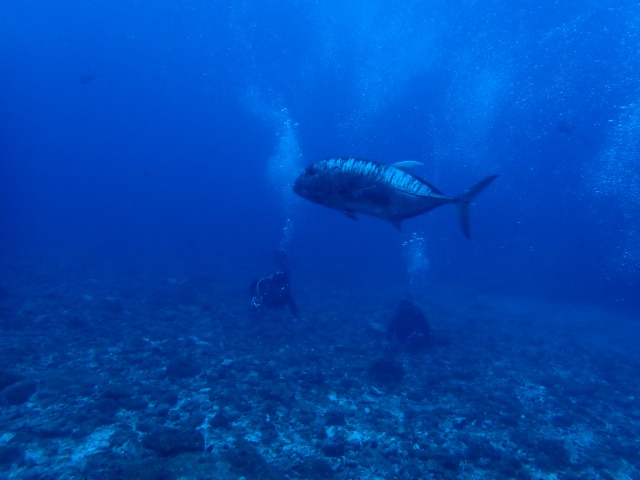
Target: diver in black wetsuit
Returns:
[[410, 326], [273, 291]]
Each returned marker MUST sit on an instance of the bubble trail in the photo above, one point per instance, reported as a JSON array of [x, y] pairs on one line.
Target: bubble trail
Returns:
[[415, 254], [286, 162]]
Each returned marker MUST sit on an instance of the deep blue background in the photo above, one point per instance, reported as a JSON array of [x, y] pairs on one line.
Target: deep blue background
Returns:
[[160, 160]]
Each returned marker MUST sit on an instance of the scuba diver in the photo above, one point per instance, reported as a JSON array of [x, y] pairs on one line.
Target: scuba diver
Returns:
[[273, 291], [410, 327]]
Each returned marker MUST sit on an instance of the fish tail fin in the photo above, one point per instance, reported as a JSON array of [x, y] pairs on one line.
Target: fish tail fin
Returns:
[[463, 201]]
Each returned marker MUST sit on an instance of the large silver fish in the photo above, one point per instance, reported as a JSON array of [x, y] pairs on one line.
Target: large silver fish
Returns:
[[387, 191]]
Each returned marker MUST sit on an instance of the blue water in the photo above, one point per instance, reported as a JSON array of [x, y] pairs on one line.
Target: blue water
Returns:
[[160, 140], [196, 117]]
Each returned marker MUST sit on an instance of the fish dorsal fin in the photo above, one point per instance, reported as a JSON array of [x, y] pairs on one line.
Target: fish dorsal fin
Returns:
[[433, 189], [407, 165]]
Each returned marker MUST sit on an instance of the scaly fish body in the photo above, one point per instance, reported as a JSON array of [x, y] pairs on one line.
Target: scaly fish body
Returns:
[[387, 191]]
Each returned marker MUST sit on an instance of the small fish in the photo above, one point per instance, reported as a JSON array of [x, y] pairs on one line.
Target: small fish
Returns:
[[387, 191]]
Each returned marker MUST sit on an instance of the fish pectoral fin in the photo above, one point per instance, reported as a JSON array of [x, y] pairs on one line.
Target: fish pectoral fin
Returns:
[[397, 223], [358, 193], [407, 165], [349, 214]]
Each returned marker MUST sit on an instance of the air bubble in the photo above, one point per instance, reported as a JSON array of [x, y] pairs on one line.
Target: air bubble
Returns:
[[415, 254]]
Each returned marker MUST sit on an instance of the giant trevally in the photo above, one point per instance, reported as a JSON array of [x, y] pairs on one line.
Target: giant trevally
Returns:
[[387, 191]]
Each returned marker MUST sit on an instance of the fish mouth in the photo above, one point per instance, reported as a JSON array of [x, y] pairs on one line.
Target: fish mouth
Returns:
[[299, 189]]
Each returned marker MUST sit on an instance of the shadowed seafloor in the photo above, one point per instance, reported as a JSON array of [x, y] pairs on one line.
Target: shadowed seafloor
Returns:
[[149, 151], [159, 378]]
